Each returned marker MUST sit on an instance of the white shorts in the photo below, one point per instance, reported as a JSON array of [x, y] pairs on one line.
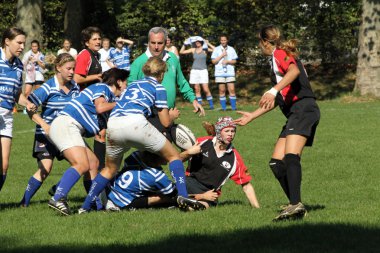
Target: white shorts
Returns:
[[132, 130], [198, 76], [230, 79], [6, 122], [39, 77], [66, 132]]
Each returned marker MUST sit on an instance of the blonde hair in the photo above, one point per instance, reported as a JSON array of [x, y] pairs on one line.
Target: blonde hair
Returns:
[[62, 59], [272, 34], [154, 67]]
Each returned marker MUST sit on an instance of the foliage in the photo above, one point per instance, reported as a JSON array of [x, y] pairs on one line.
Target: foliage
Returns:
[[53, 17], [8, 12]]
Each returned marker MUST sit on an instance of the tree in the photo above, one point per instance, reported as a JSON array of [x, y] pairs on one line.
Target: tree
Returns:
[[29, 18], [368, 66]]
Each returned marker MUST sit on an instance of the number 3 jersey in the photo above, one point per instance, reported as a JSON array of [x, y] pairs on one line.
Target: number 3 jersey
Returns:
[[140, 97], [138, 180]]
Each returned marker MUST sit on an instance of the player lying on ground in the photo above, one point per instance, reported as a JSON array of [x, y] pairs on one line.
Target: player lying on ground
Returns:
[[142, 183]]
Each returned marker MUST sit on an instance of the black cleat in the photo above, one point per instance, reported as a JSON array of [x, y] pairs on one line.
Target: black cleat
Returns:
[[187, 204], [292, 212], [60, 206]]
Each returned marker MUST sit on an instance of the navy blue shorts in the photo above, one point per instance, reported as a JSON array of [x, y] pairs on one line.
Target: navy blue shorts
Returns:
[[302, 120]]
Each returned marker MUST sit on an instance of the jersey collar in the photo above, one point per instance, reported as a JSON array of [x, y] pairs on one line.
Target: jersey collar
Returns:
[[165, 58], [229, 147]]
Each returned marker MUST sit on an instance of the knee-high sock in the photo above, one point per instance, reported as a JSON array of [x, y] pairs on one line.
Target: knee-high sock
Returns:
[[68, 180], [100, 152], [97, 186], [223, 103], [210, 102], [178, 173], [31, 189], [87, 186], [233, 102], [199, 99], [294, 174], [2, 180], [279, 171]]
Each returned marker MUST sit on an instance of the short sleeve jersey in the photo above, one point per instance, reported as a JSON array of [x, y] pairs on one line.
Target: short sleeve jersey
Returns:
[[52, 100], [227, 70], [298, 89], [39, 56], [10, 80], [82, 108], [213, 171], [137, 180], [140, 97], [88, 64], [120, 58]]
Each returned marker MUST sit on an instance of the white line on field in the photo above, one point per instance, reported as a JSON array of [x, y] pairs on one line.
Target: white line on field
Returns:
[[24, 131]]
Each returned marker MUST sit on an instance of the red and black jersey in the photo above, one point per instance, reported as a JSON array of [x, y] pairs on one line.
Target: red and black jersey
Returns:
[[88, 64], [298, 89], [213, 171]]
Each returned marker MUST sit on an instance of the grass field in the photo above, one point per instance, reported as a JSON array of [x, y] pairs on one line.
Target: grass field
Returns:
[[341, 188]]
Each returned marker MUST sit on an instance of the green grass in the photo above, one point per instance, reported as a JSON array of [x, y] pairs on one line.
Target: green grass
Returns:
[[340, 188]]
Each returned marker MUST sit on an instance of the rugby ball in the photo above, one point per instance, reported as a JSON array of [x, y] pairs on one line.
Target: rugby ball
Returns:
[[182, 136]]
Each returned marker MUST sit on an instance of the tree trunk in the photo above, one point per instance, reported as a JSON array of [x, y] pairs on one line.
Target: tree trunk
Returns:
[[74, 22], [368, 68], [29, 19]]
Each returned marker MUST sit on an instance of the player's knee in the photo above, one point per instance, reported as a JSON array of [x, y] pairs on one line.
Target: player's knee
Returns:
[[278, 167], [292, 160]]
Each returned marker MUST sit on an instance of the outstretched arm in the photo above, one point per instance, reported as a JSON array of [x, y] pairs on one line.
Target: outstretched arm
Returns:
[[251, 195], [249, 116]]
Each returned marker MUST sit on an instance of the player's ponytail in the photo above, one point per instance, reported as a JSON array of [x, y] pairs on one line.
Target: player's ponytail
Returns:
[[272, 34]]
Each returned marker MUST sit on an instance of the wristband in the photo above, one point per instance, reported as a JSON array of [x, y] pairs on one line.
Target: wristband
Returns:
[[272, 91]]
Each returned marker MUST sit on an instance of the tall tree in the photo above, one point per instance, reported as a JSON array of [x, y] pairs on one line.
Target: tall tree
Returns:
[[29, 18], [74, 20], [368, 67]]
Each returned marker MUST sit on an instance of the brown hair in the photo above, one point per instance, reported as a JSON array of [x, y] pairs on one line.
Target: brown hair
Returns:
[[62, 59], [10, 34], [272, 34], [87, 33], [113, 75], [154, 67]]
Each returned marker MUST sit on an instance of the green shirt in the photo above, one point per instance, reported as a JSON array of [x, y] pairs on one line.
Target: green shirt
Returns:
[[172, 77]]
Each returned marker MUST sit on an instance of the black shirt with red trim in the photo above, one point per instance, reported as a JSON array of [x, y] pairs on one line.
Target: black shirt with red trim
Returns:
[[298, 89]]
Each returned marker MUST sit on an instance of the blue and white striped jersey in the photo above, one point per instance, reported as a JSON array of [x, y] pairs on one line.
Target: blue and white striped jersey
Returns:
[[82, 108], [139, 98], [10, 80], [120, 58], [52, 100], [137, 180]]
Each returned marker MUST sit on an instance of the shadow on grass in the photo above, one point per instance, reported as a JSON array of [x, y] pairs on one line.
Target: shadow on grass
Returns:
[[294, 238]]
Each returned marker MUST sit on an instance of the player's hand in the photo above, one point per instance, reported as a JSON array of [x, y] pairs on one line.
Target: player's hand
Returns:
[[244, 119], [198, 108], [99, 77], [46, 128], [174, 113], [31, 107], [210, 195], [195, 149], [267, 101]]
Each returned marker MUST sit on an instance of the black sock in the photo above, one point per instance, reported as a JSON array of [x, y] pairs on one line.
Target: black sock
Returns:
[[100, 152], [279, 170], [294, 174]]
